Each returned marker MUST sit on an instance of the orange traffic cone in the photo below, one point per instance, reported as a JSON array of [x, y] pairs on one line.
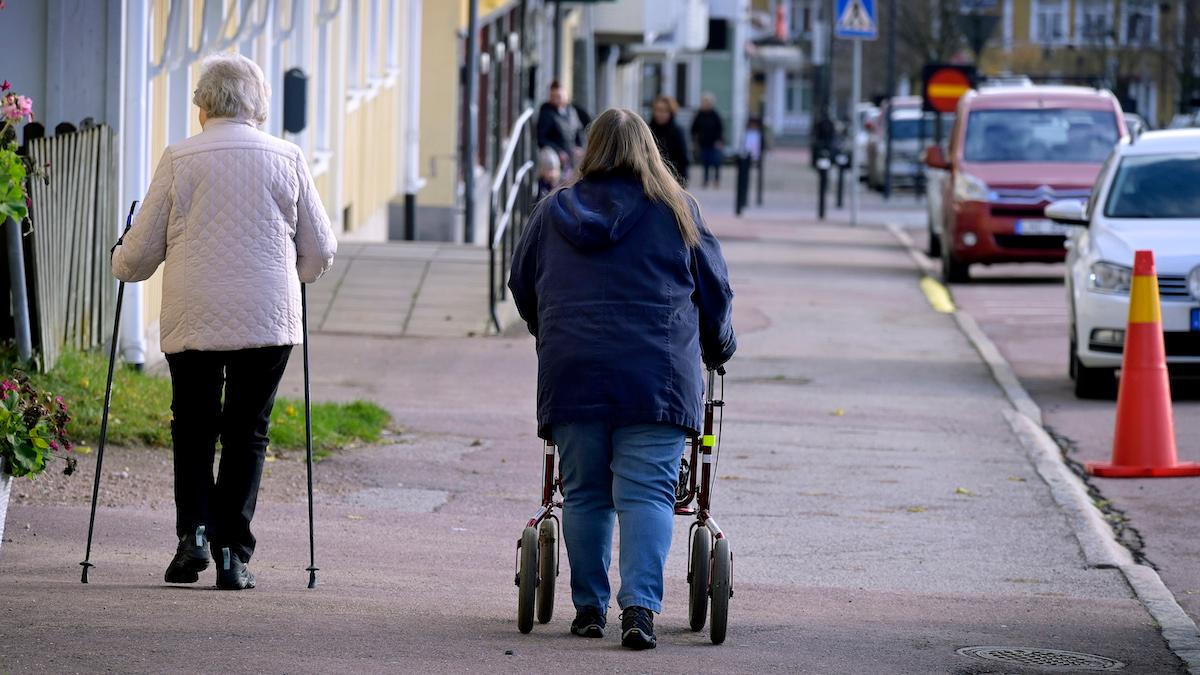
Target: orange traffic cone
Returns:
[[1144, 443]]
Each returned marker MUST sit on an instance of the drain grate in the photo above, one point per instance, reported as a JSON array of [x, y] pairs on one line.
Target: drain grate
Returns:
[[1045, 659]]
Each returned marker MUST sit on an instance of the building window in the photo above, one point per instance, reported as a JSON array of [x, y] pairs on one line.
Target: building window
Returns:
[[681, 84], [1050, 22], [1139, 21], [799, 17], [795, 95], [353, 51], [1094, 23], [373, 60]]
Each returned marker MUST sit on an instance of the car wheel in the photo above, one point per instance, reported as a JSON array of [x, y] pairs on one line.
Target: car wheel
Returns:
[[1094, 383], [1072, 359], [954, 270]]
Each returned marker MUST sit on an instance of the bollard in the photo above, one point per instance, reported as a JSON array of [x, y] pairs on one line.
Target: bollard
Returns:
[[843, 161], [762, 154], [742, 196], [823, 166]]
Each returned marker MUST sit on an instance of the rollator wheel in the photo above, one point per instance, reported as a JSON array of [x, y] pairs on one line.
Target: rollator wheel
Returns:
[[698, 578], [722, 584], [548, 569], [527, 579]]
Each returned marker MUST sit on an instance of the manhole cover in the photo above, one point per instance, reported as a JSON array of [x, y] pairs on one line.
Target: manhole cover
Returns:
[[1045, 659]]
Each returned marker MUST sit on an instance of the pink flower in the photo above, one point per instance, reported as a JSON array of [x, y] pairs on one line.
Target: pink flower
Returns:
[[16, 108], [5, 86], [54, 445], [8, 385]]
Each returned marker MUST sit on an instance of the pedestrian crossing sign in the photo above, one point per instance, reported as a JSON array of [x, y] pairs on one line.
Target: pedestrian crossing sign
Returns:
[[855, 19]]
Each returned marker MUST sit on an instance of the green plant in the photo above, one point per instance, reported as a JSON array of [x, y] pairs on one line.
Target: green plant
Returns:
[[14, 168], [33, 428], [141, 408]]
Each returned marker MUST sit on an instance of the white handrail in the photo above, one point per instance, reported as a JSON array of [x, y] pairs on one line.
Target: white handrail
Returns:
[[510, 149], [502, 224]]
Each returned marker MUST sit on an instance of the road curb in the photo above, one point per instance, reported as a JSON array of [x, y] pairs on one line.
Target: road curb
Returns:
[[1099, 544]]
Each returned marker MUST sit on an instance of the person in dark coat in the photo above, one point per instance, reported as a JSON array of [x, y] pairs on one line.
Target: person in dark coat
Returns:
[[560, 127], [627, 293], [670, 137], [708, 132]]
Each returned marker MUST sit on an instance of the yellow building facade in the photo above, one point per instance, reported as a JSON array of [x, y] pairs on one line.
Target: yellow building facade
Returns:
[[1133, 47]]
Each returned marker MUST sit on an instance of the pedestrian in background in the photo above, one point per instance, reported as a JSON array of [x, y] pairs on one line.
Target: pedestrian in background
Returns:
[[627, 293], [549, 172], [708, 132], [670, 137], [233, 216], [752, 140], [561, 126]]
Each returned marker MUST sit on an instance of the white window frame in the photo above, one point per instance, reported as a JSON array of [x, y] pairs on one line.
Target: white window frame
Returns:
[[1081, 14], [1041, 8], [323, 99], [1155, 12]]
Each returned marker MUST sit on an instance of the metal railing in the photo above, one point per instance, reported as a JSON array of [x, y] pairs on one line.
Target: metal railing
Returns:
[[511, 202]]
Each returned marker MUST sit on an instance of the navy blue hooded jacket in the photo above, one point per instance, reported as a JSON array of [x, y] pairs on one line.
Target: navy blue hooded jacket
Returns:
[[621, 308]]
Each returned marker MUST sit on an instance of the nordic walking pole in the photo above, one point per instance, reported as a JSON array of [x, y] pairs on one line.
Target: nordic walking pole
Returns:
[[112, 362], [308, 440]]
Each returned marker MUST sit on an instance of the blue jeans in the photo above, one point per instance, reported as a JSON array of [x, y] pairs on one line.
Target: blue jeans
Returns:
[[625, 473]]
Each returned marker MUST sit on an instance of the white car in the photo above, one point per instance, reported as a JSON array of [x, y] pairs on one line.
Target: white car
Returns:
[[1145, 198]]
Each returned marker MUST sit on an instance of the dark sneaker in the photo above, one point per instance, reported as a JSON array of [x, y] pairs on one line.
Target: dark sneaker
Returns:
[[232, 574], [589, 623], [191, 558], [637, 628]]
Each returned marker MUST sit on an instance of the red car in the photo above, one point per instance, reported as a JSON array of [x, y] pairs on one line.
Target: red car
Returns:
[[1014, 150]]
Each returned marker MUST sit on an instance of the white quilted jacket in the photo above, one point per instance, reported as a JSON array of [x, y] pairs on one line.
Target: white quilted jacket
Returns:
[[235, 215]]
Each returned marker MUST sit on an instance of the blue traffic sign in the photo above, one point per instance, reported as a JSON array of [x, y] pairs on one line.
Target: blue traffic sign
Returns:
[[856, 19]]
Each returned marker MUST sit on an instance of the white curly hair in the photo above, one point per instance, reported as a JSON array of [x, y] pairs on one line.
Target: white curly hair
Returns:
[[233, 86]]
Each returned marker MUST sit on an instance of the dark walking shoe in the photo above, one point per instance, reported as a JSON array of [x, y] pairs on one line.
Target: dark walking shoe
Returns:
[[637, 628], [191, 558], [589, 623], [232, 573]]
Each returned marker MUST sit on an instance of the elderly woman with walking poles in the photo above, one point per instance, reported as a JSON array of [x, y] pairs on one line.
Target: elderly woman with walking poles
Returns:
[[627, 293], [235, 220]]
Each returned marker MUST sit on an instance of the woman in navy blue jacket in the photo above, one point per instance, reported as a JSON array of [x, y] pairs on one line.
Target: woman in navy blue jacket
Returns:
[[627, 293]]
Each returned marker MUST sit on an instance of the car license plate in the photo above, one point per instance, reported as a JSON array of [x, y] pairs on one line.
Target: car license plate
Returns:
[[1039, 226], [1196, 318]]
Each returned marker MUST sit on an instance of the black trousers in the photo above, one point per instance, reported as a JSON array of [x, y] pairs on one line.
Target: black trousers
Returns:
[[249, 379]]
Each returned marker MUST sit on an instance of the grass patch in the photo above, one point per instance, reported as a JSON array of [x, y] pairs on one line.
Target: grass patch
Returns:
[[141, 409]]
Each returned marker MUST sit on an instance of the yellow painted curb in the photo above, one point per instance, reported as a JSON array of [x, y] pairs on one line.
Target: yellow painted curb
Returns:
[[937, 295]]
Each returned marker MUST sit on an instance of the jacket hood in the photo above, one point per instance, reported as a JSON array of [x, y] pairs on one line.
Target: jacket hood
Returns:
[[597, 212]]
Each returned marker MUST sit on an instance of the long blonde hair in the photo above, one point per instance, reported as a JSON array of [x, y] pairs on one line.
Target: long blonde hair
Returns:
[[619, 140]]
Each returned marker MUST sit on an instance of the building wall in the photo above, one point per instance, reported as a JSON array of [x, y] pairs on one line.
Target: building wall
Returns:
[[356, 106], [1145, 76], [440, 102]]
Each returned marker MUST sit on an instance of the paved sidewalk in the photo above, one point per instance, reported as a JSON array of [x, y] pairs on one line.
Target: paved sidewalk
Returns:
[[403, 289], [881, 512]]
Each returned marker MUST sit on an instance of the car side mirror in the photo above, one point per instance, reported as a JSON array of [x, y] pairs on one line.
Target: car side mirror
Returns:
[[1068, 212], [935, 158]]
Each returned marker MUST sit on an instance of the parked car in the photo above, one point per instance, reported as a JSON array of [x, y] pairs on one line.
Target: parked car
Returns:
[[1135, 123], [1014, 150], [908, 139], [1144, 199]]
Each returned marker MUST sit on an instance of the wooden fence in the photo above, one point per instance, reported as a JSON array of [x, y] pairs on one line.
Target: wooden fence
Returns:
[[73, 292]]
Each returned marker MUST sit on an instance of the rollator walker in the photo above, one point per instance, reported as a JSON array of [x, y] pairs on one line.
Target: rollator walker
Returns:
[[710, 562]]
